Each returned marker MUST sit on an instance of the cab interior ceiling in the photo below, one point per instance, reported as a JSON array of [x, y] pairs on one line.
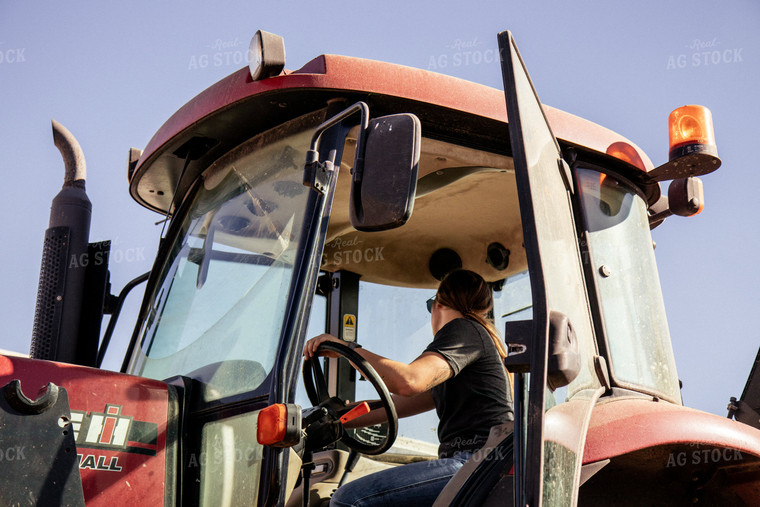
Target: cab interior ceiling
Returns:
[[466, 200]]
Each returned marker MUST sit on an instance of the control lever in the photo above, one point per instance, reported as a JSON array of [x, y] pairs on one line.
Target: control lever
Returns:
[[353, 459], [359, 410], [353, 456]]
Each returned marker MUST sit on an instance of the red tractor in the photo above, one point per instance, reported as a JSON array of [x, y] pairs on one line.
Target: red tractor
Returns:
[[333, 199]]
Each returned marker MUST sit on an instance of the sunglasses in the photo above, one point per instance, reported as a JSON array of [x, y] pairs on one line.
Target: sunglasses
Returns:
[[429, 304]]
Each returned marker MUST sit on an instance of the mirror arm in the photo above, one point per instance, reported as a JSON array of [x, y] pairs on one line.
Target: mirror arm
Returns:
[[316, 172], [115, 310]]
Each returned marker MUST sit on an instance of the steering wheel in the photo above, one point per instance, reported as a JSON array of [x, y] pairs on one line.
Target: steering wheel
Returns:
[[313, 375]]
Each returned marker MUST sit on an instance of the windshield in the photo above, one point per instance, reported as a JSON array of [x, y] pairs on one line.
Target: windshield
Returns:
[[218, 310], [628, 284]]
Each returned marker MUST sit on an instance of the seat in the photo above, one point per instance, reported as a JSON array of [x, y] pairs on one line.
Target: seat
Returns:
[[490, 454]]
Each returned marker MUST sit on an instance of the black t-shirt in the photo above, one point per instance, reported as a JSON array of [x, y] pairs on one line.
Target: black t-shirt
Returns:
[[477, 397]]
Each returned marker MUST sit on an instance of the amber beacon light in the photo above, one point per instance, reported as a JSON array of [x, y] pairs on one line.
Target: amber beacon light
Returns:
[[691, 131], [692, 145]]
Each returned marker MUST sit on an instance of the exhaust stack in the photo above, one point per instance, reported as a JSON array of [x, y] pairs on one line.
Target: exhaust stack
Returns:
[[68, 313]]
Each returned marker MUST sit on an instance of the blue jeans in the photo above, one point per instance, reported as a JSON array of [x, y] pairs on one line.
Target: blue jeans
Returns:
[[415, 484]]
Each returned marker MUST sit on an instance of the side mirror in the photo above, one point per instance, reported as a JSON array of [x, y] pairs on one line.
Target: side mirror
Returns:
[[564, 359], [385, 173], [686, 197], [563, 356]]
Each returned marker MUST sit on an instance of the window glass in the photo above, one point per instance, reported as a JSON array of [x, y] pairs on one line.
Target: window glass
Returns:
[[513, 301], [219, 308], [316, 326], [394, 322], [230, 462], [629, 289]]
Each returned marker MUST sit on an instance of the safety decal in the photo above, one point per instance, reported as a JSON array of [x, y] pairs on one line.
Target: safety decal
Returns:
[[349, 327]]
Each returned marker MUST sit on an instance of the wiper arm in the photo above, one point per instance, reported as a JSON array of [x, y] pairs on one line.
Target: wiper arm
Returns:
[[204, 258]]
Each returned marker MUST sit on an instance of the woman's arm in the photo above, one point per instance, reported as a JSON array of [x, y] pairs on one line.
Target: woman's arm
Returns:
[[405, 407], [409, 380]]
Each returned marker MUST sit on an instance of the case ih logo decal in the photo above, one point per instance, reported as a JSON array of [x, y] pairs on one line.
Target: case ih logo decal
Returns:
[[113, 431], [89, 461]]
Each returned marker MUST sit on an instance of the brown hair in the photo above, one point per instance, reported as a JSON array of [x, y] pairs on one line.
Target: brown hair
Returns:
[[467, 292]]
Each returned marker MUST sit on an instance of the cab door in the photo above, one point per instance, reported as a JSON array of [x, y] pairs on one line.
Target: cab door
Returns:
[[551, 418]]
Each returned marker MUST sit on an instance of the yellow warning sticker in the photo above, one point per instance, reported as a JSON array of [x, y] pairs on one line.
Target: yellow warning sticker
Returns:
[[349, 327]]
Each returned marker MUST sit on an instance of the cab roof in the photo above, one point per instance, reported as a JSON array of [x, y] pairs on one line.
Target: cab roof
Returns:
[[236, 108]]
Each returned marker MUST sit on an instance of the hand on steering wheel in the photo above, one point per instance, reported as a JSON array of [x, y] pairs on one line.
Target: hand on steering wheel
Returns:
[[316, 389]]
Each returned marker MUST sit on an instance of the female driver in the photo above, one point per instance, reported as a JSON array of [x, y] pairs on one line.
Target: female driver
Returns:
[[460, 374]]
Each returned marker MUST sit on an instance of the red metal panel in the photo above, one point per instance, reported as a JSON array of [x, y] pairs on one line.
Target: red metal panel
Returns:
[[624, 426], [120, 425], [347, 73]]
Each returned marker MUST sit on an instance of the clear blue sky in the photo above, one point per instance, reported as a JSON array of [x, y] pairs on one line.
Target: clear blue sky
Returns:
[[113, 73]]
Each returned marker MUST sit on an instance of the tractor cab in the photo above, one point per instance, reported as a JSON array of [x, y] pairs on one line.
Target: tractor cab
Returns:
[[406, 178], [334, 199]]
